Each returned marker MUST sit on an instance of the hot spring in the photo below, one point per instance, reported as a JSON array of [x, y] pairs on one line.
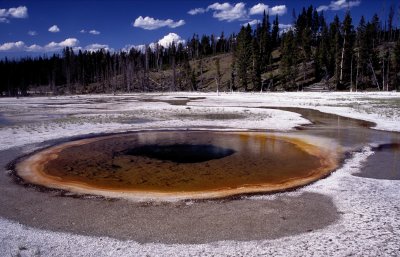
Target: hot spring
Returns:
[[171, 165]]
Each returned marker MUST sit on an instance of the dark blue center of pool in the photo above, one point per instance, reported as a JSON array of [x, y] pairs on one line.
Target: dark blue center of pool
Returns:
[[181, 153]]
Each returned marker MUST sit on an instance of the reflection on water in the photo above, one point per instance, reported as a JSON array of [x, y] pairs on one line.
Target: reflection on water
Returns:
[[384, 163], [352, 133], [155, 161], [180, 153]]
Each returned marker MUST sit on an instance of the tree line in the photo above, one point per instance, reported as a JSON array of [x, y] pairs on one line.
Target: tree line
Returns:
[[104, 71], [338, 54]]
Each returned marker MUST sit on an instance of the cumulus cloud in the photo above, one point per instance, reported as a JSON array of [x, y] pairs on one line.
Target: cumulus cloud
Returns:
[[140, 48], [258, 9], [73, 43], [252, 23], [339, 5], [96, 47], [150, 23], [283, 28], [32, 33], [69, 42], [228, 12], [278, 10], [20, 12], [54, 29], [219, 7], [12, 46], [196, 11], [261, 8], [94, 32], [50, 47], [165, 41], [233, 12], [4, 20]]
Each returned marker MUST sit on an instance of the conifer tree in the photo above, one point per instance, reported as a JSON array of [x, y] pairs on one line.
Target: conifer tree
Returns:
[[397, 64], [288, 66], [275, 32], [256, 65], [347, 49], [265, 42], [243, 56], [362, 49], [335, 53]]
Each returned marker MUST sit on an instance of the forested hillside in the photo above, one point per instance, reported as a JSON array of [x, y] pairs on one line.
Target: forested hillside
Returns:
[[337, 55]]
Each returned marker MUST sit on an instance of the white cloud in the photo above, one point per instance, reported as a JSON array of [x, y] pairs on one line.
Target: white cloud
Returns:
[[219, 7], [34, 48], [96, 47], [20, 46], [167, 40], [32, 33], [4, 20], [339, 5], [56, 46], [233, 12], [260, 8], [228, 12], [285, 27], [12, 46], [50, 47], [342, 4], [54, 29], [70, 42], [150, 23], [20, 12], [197, 11], [322, 8], [94, 32], [278, 10], [140, 48], [252, 23]]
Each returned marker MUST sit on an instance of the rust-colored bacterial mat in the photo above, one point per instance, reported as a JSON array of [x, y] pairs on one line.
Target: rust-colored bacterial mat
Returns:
[[179, 164]]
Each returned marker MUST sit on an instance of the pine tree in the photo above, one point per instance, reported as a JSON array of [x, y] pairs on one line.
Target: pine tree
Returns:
[[243, 56], [288, 66], [335, 53], [322, 54], [256, 65], [362, 52], [396, 65], [263, 34], [347, 50], [218, 74], [275, 32]]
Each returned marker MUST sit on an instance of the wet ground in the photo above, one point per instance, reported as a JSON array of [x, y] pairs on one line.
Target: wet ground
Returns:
[[354, 134], [206, 221]]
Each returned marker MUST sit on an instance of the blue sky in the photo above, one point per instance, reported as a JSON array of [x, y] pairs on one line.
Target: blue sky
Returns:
[[38, 27]]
